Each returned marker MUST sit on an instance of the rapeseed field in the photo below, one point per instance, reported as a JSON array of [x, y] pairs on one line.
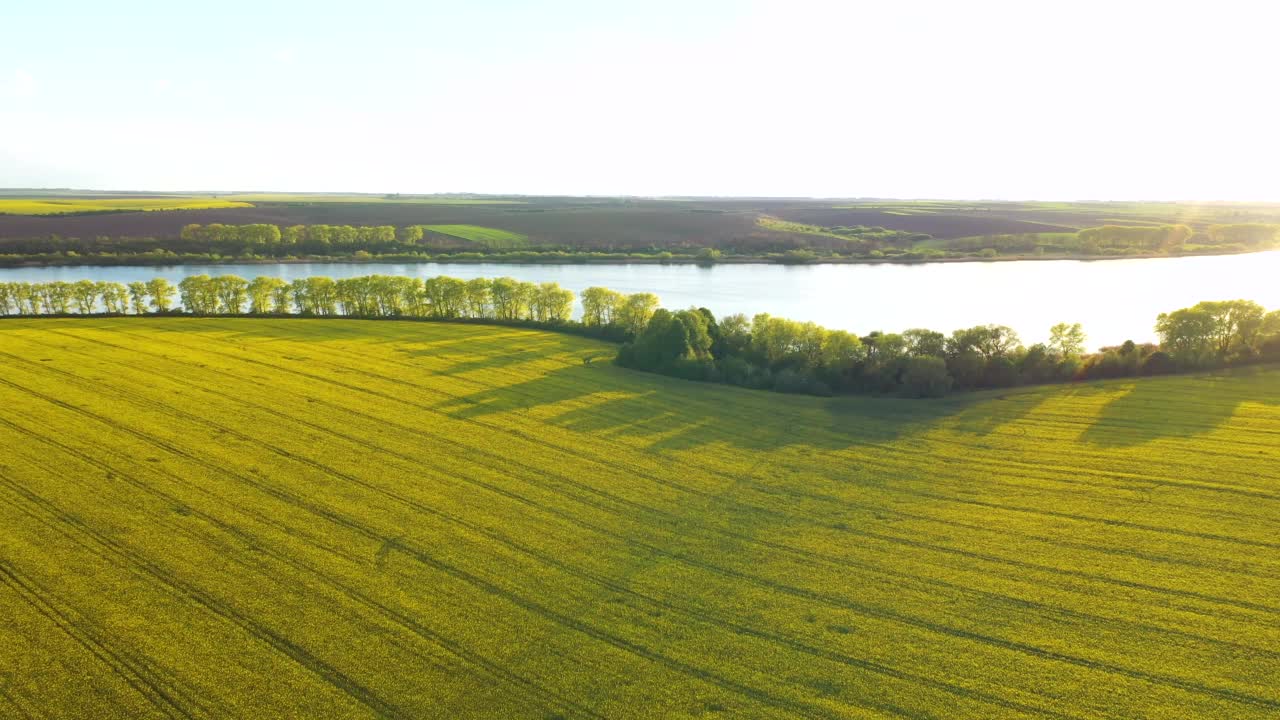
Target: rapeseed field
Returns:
[[63, 206], [294, 518]]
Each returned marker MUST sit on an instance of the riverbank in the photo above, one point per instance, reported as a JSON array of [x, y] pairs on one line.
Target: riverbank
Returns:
[[559, 258]]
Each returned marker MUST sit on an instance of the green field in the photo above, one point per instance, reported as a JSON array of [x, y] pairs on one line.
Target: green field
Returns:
[[61, 206], [310, 518], [487, 236]]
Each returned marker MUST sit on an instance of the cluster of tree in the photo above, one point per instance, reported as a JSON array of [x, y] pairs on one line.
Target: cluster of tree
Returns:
[[1224, 332], [788, 356]]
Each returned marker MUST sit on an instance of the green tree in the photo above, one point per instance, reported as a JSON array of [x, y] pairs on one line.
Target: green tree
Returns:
[[262, 290], [114, 296], [841, 350], [478, 297], [1187, 334], [1270, 325], [552, 303], [198, 294], [231, 292], [921, 341], [635, 312], [56, 296], [600, 306], [138, 296], [1066, 341], [84, 294], [411, 235], [735, 336], [294, 235], [1234, 322], [161, 292]]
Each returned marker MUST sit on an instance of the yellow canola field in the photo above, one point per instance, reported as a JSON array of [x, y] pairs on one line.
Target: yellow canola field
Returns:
[[324, 518]]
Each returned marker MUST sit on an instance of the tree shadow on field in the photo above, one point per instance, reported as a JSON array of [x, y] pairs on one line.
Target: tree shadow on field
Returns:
[[464, 358], [987, 412], [666, 414], [1151, 409]]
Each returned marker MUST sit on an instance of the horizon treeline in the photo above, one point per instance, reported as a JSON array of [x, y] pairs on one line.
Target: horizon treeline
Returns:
[[253, 240], [763, 352]]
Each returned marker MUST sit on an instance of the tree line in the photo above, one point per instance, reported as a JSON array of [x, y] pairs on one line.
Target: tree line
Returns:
[[764, 351], [247, 238], [501, 299], [773, 353]]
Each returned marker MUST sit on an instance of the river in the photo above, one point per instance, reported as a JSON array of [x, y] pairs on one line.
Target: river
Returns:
[[1114, 299]]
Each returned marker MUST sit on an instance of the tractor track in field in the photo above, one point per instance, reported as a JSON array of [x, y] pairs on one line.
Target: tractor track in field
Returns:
[[729, 625], [525, 436], [253, 544], [136, 674], [71, 526], [362, 694], [996, 559], [927, 495], [862, 533]]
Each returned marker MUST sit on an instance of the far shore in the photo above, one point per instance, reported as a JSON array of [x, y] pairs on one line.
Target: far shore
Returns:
[[499, 259]]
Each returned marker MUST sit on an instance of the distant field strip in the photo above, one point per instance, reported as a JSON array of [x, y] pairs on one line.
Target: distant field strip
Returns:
[[365, 199], [310, 518], [63, 207], [489, 237]]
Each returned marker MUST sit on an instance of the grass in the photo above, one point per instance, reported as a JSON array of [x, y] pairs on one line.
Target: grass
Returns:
[[59, 206], [492, 238], [308, 518]]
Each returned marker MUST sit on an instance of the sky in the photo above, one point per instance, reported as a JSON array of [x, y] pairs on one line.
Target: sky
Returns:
[[911, 99]]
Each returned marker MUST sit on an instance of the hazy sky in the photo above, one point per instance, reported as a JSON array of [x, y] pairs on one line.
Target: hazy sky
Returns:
[[1067, 100]]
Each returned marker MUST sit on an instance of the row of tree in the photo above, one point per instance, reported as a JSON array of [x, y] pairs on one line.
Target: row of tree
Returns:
[[85, 297], [265, 237], [608, 313], [789, 356], [761, 352]]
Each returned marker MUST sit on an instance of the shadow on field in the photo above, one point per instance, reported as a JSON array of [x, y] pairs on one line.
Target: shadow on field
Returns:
[[993, 412], [1155, 408], [516, 351], [665, 414]]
